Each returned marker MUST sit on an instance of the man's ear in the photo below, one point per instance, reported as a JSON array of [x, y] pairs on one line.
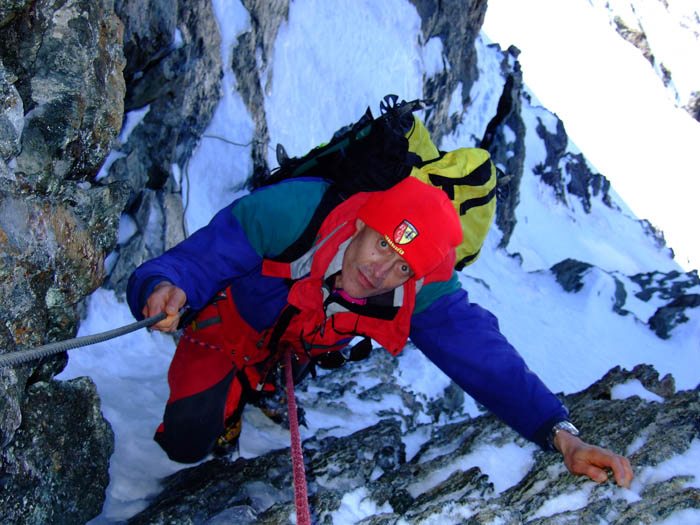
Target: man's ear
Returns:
[[359, 225]]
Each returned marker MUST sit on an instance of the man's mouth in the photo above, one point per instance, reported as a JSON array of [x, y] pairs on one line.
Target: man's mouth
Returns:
[[365, 282]]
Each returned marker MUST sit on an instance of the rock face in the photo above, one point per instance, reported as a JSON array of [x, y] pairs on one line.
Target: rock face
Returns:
[[457, 23], [670, 294], [68, 71], [63, 99], [268, 15], [504, 138], [58, 456], [371, 465], [67, 61], [659, 30], [174, 77]]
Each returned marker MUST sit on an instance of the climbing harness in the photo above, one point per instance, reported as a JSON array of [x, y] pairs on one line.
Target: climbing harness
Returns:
[[22, 356], [301, 498]]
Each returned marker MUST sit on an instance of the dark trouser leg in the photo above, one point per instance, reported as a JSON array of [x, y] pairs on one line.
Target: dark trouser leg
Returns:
[[204, 391]]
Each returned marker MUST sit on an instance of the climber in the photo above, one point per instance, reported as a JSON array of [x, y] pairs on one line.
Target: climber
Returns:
[[383, 267]]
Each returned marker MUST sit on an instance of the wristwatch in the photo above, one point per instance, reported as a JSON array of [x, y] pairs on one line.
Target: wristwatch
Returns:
[[564, 424]]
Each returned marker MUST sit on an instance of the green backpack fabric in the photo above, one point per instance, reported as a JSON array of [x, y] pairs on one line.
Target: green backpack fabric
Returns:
[[374, 154]]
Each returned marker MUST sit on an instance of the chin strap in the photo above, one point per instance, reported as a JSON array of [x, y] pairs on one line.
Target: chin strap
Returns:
[[301, 498]]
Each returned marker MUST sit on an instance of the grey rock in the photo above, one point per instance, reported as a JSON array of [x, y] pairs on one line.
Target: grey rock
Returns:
[[181, 83], [569, 274], [620, 298], [266, 18], [671, 315], [374, 458], [507, 155], [693, 105], [159, 225], [560, 165], [51, 256], [583, 183], [457, 23], [11, 116], [9, 9], [636, 37], [68, 62], [147, 39], [55, 469], [674, 289], [242, 515], [665, 286]]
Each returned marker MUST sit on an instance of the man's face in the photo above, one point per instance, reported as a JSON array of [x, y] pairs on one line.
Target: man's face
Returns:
[[371, 266]]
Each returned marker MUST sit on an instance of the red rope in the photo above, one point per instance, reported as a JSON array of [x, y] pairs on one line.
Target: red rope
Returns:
[[301, 498]]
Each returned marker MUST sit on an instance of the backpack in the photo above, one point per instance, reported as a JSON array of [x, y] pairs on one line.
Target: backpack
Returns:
[[374, 154]]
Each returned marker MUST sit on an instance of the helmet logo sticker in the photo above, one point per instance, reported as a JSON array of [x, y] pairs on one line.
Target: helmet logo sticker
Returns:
[[405, 232]]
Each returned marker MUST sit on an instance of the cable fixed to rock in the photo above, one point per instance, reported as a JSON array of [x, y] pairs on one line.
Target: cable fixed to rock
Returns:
[[22, 356]]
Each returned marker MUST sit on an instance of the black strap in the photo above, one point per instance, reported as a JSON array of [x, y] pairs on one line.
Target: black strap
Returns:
[[204, 323], [465, 206], [277, 332], [281, 326], [466, 260], [476, 177]]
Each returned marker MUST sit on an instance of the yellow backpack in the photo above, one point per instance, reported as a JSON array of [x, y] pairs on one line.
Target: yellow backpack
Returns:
[[374, 154], [468, 177]]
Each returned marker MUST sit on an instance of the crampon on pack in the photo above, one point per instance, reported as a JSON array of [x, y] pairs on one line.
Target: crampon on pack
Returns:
[[373, 154]]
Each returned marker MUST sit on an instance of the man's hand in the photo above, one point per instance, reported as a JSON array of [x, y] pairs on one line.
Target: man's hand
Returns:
[[581, 458], [168, 298]]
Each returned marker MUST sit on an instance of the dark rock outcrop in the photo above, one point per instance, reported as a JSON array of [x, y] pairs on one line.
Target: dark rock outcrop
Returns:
[[67, 61], [504, 139], [371, 465], [457, 23], [55, 468], [178, 77], [568, 173], [674, 292], [675, 289], [266, 18], [671, 315], [630, 24], [569, 274], [63, 97]]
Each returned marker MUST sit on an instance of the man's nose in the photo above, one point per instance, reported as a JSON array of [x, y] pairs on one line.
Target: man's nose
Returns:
[[382, 267]]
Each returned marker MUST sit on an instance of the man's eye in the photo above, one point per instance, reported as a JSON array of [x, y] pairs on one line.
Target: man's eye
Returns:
[[383, 243], [405, 268]]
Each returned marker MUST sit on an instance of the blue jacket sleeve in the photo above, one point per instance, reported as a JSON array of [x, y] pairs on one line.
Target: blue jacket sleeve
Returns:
[[232, 245], [464, 341], [201, 265]]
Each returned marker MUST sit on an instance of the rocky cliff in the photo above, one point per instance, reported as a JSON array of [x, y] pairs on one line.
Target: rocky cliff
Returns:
[[667, 34], [437, 484], [103, 104]]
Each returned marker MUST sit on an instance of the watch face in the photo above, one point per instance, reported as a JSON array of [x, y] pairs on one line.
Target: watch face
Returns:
[[568, 426], [562, 425]]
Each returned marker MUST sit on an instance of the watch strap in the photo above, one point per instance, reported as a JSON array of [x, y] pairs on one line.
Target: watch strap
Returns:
[[564, 424]]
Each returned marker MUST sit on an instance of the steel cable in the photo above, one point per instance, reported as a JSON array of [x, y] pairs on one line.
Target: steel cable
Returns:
[[22, 356]]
